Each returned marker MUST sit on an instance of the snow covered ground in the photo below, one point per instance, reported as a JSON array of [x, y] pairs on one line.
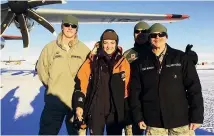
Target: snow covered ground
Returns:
[[22, 100], [207, 82]]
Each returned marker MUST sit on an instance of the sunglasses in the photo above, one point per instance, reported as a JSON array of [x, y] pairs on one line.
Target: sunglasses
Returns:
[[68, 25], [154, 35], [140, 31]]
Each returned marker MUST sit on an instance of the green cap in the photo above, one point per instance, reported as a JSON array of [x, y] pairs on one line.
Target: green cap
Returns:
[[157, 27], [70, 19], [141, 25]]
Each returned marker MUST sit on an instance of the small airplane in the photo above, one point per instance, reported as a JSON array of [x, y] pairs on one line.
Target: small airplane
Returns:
[[205, 65], [8, 37], [10, 61], [24, 13]]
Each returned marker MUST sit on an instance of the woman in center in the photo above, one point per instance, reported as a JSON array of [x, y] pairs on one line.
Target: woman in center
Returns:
[[102, 84]]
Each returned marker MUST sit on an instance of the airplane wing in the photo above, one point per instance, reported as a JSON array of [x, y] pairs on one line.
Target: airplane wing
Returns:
[[11, 37], [23, 12], [8, 37], [56, 16]]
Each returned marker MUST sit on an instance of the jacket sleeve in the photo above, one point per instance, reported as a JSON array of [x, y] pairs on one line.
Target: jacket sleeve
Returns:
[[194, 92], [135, 90], [126, 53], [83, 75], [42, 67], [127, 78], [82, 79]]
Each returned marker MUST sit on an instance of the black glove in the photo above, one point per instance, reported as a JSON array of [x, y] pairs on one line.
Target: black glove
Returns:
[[79, 124], [192, 55]]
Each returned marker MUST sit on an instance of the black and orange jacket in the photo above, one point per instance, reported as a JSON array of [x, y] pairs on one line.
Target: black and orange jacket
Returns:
[[87, 80], [121, 66]]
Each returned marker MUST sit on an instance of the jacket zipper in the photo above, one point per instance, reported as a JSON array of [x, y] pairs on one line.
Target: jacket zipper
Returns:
[[159, 72]]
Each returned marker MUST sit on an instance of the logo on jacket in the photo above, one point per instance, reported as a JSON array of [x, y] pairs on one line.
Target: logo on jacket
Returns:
[[123, 76], [147, 68], [80, 99], [173, 65], [57, 55], [77, 57], [133, 56]]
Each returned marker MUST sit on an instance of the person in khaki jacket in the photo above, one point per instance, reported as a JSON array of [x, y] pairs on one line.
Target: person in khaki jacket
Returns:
[[57, 67]]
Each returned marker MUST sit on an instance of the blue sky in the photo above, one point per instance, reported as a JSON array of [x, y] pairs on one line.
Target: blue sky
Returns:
[[197, 30]]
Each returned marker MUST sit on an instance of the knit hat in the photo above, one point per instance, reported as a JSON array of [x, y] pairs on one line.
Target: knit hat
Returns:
[[109, 34], [141, 25], [70, 19], [157, 27]]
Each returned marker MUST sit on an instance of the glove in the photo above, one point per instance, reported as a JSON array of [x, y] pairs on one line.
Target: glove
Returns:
[[79, 124], [188, 47], [192, 55]]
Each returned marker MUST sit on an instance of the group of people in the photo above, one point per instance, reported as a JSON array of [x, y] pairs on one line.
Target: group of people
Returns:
[[150, 88]]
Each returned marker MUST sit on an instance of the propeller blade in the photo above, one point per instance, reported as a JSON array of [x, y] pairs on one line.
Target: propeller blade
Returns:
[[24, 30], [32, 14], [10, 16], [36, 3], [4, 6]]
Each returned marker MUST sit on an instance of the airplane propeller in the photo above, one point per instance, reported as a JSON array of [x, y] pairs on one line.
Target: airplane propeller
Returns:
[[20, 10]]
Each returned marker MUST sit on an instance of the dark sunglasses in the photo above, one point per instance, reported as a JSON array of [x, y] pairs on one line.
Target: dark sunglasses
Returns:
[[140, 31], [68, 25], [154, 35]]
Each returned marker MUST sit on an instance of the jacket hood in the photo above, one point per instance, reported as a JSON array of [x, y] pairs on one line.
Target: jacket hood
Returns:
[[70, 44]]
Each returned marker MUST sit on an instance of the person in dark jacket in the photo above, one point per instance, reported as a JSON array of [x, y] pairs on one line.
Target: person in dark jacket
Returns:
[[103, 81], [141, 40], [165, 90]]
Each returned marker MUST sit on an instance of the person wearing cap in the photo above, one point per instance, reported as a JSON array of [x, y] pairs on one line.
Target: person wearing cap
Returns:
[[57, 67], [103, 87], [165, 90], [140, 38]]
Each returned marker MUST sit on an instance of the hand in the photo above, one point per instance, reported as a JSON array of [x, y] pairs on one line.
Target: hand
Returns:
[[96, 46], [79, 113], [192, 55], [142, 125], [188, 48], [194, 126]]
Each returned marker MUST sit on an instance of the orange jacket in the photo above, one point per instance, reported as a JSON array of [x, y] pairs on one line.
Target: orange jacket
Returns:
[[122, 66]]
